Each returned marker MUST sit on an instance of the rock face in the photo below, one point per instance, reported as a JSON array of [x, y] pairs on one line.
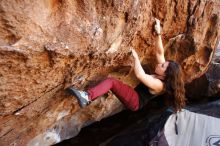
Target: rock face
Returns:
[[208, 85], [46, 46]]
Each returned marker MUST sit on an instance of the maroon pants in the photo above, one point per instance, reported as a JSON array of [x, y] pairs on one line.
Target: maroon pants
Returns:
[[126, 94]]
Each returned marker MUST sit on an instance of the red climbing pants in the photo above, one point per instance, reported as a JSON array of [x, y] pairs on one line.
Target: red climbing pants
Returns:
[[126, 94]]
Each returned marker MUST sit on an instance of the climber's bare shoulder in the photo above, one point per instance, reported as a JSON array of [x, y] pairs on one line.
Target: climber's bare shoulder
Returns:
[[154, 84]]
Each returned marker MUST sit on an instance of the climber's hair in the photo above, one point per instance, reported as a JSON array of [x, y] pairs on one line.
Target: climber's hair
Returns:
[[174, 85]]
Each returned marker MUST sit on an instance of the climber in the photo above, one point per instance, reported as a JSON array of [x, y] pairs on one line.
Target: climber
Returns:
[[167, 80]]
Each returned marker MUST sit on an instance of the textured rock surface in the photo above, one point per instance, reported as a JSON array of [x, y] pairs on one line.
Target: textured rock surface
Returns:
[[208, 85], [46, 46]]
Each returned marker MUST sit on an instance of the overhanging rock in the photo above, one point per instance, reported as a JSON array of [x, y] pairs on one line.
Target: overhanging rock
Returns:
[[46, 46]]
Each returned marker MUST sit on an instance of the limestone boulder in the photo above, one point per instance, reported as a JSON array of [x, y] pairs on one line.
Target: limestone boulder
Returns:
[[48, 45], [208, 85]]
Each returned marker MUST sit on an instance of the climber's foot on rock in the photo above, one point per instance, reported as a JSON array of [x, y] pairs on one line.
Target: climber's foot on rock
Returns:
[[82, 96]]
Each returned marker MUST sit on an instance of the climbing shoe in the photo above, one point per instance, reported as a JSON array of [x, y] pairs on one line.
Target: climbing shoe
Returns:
[[82, 96]]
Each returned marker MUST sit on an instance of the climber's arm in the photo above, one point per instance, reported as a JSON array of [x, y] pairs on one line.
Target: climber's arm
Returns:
[[154, 84], [159, 45]]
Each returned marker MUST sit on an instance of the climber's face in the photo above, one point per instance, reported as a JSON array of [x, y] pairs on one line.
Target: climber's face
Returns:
[[161, 68]]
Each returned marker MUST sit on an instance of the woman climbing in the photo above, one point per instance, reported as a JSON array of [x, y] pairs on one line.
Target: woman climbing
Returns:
[[168, 79]]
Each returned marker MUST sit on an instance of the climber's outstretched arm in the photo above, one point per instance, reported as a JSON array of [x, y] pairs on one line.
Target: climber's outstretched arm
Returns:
[[159, 44]]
